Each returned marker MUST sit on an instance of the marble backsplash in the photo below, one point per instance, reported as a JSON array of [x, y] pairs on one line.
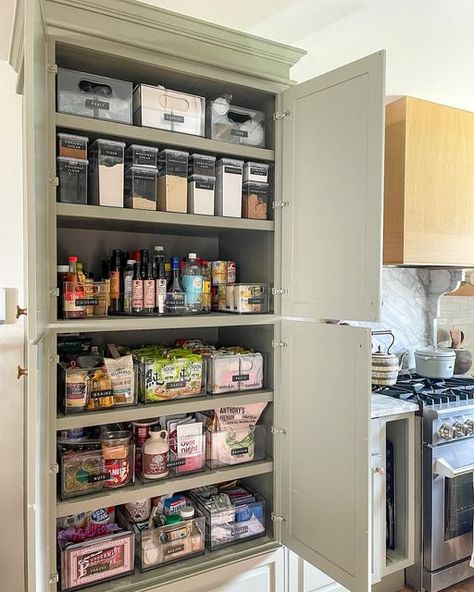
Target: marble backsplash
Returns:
[[410, 298]]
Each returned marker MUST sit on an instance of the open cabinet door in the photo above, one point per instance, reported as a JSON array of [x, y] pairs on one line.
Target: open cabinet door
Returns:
[[36, 174], [333, 150], [325, 456]]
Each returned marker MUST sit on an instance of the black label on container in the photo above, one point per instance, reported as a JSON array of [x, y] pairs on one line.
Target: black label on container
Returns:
[[240, 377], [209, 185], [86, 301], [233, 170], [174, 164], [76, 144], [258, 171], [101, 394], [260, 190], [173, 550], [174, 118], [73, 167], [239, 451], [255, 300], [238, 132], [237, 530], [175, 384], [98, 478], [143, 156], [96, 104], [111, 150], [143, 175], [177, 462]]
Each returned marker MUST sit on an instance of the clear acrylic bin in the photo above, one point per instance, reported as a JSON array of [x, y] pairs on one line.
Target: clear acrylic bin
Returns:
[[85, 300], [237, 125], [163, 379], [90, 95], [233, 447], [72, 174], [162, 108], [87, 472], [97, 560], [232, 525], [157, 546], [244, 298], [229, 372]]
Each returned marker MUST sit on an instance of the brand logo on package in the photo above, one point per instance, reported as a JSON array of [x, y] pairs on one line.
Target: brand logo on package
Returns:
[[175, 118], [241, 133], [96, 104]]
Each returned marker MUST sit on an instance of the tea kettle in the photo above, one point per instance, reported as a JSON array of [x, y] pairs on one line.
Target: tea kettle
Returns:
[[385, 366]]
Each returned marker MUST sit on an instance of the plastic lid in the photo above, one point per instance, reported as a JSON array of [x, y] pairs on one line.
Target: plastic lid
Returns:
[[253, 183], [159, 249], [62, 268], [173, 519], [140, 147], [69, 159], [203, 156], [201, 178], [231, 162], [187, 512], [261, 165], [142, 168], [63, 135], [192, 255], [171, 151], [110, 142], [436, 352], [72, 259]]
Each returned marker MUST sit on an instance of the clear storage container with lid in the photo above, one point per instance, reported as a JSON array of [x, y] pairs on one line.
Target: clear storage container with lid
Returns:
[[173, 181], [255, 200], [140, 188], [72, 146], [202, 164], [256, 171], [139, 155], [106, 173], [201, 195], [237, 125], [72, 174], [229, 187]]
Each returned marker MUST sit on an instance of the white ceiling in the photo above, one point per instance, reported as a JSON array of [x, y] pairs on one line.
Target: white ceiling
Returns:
[[7, 10]]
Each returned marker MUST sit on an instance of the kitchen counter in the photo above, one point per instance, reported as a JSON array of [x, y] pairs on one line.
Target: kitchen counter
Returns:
[[383, 406]]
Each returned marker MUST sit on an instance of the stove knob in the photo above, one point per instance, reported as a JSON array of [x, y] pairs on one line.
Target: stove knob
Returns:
[[460, 429], [446, 431], [469, 427]]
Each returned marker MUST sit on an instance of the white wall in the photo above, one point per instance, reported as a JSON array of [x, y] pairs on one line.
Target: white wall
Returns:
[[11, 335], [429, 43]]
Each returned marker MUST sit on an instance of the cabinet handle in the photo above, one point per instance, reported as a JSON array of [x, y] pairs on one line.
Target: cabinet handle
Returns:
[[379, 471], [21, 372], [20, 311]]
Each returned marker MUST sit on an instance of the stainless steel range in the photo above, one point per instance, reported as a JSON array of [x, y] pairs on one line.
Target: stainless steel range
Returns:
[[446, 502]]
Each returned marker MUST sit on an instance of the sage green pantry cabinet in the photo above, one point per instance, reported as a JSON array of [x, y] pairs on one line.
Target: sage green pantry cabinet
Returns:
[[321, 252]]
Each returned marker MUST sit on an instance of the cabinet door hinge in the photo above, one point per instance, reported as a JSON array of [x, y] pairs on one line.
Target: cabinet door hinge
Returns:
[[279, 343], [53, 579], [53, 469], [279, 115], [277, 517], [53, 181], [279, 291], [54, 292], [280, 204], [52, 69], [54, 359], [278, 431]]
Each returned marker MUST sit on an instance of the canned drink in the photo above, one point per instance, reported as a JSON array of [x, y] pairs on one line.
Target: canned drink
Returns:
[[219, 272], [231, 272]]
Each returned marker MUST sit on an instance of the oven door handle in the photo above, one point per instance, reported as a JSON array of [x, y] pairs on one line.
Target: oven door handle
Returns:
[[443, 468]]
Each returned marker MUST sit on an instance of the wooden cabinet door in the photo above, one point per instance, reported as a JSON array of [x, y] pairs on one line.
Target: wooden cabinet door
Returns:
[[324, 459], [36, 174], [333, 145]]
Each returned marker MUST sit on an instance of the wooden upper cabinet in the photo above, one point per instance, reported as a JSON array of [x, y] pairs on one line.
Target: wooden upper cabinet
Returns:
[[429, 184]]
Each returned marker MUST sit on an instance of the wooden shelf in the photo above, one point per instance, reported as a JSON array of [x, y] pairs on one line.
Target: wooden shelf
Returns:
[[118, 323], [162, 138], [188, 405], [122, 219], [165, 574], [114, 497]]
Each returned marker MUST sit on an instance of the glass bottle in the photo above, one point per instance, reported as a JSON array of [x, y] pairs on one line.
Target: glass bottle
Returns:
[[137, 289], [175, 297], [160, 279], [149, 290], [115, 280], [127, 286], [192, 281], [73, 293]]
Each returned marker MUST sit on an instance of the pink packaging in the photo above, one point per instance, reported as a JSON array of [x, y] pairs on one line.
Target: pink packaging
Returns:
[[235, 372], [97, 560]]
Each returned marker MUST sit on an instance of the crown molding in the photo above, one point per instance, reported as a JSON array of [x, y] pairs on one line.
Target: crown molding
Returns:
[[148, 27]]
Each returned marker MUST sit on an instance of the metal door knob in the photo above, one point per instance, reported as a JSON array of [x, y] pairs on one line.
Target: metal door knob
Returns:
[[20, 311], [21, 372], [379, 470]]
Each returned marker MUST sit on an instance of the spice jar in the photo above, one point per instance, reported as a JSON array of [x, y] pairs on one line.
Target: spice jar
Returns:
[[115, 445]]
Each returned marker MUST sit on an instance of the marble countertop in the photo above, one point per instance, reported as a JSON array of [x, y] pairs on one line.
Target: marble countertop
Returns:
[[383, 406]]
